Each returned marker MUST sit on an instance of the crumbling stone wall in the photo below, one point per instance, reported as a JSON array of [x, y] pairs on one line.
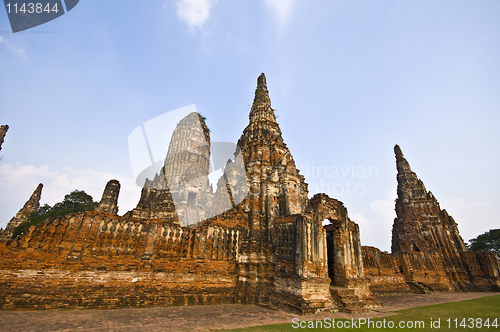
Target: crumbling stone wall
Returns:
[[483, 269], [301, 280], [192, 266], [383, 272]]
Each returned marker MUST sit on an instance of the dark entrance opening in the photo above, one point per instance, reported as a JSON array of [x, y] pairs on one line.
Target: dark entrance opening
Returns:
[[330, 247]]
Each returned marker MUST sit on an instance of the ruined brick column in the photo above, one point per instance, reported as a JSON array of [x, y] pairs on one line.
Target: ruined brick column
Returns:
[[3, 131], [421, 226], [29, 207], [109, 200]]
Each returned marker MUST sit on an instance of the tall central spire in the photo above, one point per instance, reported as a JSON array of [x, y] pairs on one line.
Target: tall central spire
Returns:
[[261, 98], [269, 163]]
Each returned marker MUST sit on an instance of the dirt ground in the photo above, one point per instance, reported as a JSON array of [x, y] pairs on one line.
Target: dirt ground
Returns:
[[195, 318]]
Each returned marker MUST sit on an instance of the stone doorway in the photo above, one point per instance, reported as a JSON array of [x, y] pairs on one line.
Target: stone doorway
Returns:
[[330, 248]]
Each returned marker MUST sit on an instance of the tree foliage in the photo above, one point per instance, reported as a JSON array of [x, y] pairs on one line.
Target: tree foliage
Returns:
[[486, 242], [75, 202]]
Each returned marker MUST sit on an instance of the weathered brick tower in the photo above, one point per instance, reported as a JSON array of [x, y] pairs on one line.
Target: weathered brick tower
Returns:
[[109, 201], [275, 189], [428, 253], [421, 225], [29, 207]]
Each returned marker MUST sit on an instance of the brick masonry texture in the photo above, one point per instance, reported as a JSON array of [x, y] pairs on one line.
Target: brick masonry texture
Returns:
[[258, 239]]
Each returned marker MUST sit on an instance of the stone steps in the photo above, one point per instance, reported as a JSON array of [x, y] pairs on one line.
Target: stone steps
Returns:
[[420, 287], [349, 302]]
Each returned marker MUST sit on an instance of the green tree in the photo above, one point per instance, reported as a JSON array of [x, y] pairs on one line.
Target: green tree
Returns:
[[75, 202], [487, 241]]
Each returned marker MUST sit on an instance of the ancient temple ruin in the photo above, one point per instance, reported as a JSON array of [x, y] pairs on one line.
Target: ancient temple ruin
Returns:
[[257, 238]]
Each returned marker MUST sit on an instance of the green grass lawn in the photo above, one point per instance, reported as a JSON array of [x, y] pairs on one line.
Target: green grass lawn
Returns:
[[469, 315]]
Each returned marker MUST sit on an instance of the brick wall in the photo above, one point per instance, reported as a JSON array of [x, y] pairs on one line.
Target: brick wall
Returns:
[[103, 260]]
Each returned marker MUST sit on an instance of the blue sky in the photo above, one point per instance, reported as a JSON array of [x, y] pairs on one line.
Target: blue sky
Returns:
[[349, 80]]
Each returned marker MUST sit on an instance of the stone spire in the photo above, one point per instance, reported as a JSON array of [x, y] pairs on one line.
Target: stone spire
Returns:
[[408, 182], [401, 163], [109, 200], [421, 225], [3, 131], [276, 188], [262, 128], [261, 107], [33, 203], [22, 216], [263, 125]]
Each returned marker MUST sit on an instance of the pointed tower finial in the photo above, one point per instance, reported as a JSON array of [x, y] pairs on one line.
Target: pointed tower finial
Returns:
[[22, 216], [397, 150], [261, 80], [261, 107], [401, 163], [261, 99], [34, 202]]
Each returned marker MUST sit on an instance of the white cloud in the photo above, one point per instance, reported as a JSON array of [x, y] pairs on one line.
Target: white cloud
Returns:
[[194, 12], [282, 8], [359, 219], [385, 207], [17, 183], [473, 218], [16, 50], [375, 224]]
